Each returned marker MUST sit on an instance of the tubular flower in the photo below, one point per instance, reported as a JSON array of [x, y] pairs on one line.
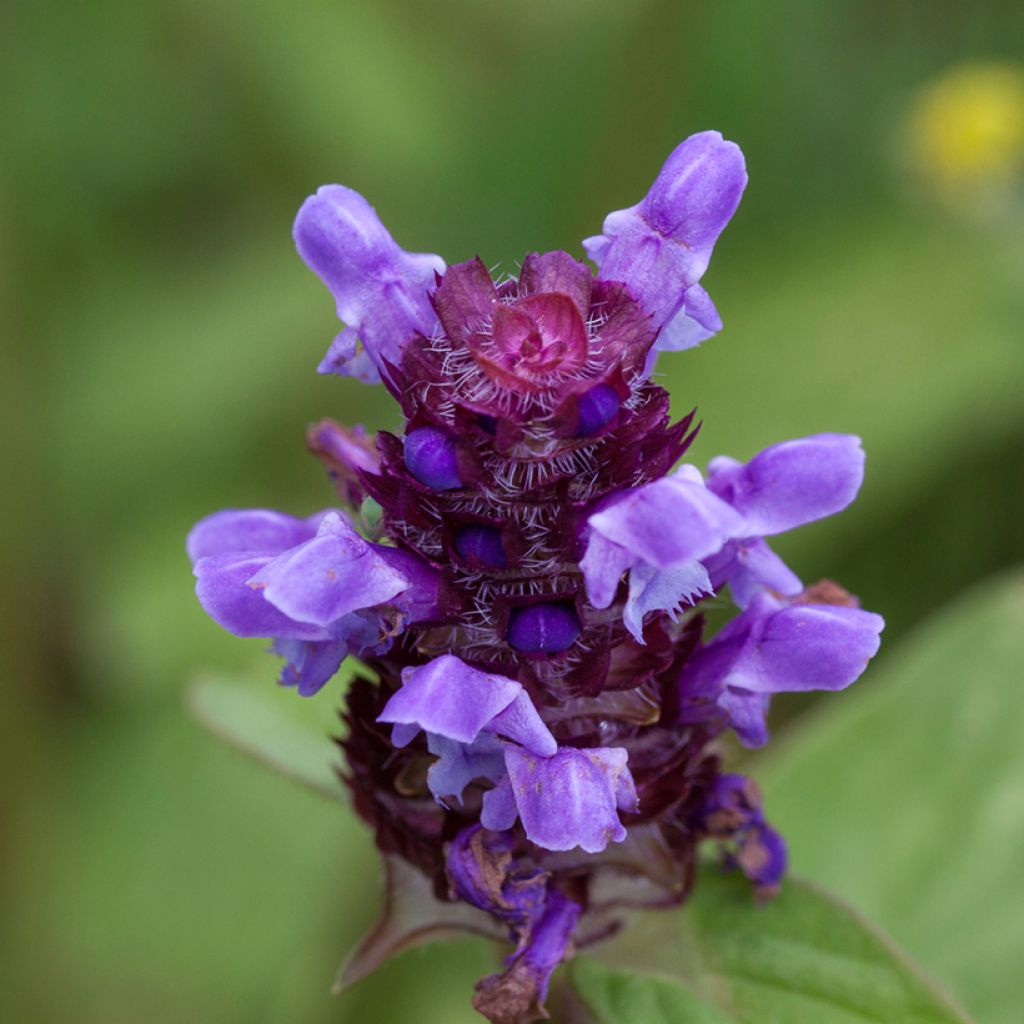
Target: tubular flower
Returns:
[[537, 740]]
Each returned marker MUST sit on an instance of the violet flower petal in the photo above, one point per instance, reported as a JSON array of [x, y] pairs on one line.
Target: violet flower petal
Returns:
[[381, 291], [310, 664], [571, 798], [696, 321], [459, 764], [425, 597], [449, 698], [763, 857], [668, 522], [750, 566], [731, 813], [747, 714], [518, 993], [483, 872], [665, 524], [792, 483], [236, 530], [325, 578], [499, 807], [603, 564], [805, 647], [776, 647], [661, 247], [520, 722], [347, 357], [224, 591]]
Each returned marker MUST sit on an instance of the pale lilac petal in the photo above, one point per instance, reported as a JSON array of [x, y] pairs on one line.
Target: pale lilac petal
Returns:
[[521, 723], [236, 530], [603, 564], [223, 589], [381, 291], [499, 807], [449, 698], [652, 589], [570, 799], [792, 483], [328, 577], [347, 357], [750, 566], [661, 247], [696, 321], [459, 764], [308, 665], [403, 734], [666, 524], [748, 715]]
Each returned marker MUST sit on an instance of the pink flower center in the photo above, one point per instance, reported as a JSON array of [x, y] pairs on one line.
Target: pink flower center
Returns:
[[536, 338]]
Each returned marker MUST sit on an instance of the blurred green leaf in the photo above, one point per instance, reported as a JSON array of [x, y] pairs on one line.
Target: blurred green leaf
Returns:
[[802, 957], [621, 996], [244, 717], [909, 797]]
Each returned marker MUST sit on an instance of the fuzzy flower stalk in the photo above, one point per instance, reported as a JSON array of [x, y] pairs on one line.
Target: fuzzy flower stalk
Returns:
[[535, 743]]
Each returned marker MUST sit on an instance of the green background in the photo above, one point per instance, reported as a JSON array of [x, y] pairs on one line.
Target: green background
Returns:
[[160, 338]]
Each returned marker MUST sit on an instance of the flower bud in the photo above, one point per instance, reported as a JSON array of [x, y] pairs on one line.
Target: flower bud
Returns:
[[548, 628], [481, 545], [431, 457]]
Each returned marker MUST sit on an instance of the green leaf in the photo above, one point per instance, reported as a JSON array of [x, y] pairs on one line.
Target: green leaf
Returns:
[[804, 958], [250, 719], [907, 796], [614, 996]]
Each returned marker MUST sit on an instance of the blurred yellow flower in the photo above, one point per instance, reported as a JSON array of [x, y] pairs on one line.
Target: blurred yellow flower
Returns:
[[966, 132]]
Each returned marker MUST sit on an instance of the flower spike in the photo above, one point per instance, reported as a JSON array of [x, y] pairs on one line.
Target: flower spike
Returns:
[[523, 570]]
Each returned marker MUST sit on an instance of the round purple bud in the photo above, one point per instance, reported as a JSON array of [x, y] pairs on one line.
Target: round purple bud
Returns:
[[482, 545], [543, 628], [430, 456], [596, 407]]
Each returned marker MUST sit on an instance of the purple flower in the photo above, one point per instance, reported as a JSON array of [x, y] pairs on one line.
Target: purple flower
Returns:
[[569, 799], [661, 247], [731, 813], [781, 646], [382, 292], [347, 357], [659, 532], [483, 871], [566, 797], [449, 698], [463, 711], [785, 486], [525, 572], [312, 585]]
